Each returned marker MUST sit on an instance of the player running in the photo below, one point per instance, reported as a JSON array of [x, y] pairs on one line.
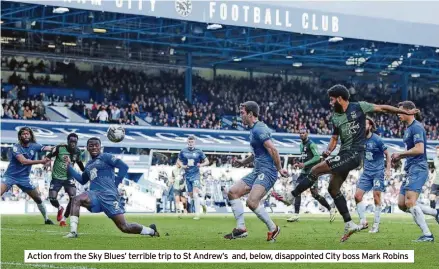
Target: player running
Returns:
[[179, 183], [373, 175], [310, 157], [416, 168], [267, 164], [435, 186], [349, 123], [59, 175], [191, 159], [17, 173], [103, 195]]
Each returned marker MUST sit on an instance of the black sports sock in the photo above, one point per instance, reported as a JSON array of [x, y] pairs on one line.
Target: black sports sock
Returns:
[[433, 204], [69, 206], [322, 201], [342, 207], [297, 203], [305, 184], [54, 202]]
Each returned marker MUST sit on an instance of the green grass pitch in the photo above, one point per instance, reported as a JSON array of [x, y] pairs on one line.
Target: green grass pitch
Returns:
[[19, 233]]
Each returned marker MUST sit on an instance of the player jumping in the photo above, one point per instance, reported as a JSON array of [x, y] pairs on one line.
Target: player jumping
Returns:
[[435, 186], [416, 168], [310, 157], [191, 159], [59, 175], [17, 173], [349, 122], [373, 175], [103, 195], [267, 164]]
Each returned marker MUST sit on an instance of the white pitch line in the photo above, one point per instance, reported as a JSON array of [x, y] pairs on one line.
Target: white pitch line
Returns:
[[39, 231], [49, 266]]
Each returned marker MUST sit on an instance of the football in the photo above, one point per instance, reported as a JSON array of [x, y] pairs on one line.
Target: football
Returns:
[[116, 133]]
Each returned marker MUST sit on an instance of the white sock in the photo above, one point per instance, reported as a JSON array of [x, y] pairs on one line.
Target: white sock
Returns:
[[238, 211], [427, 210], [146, 231], [377, 214], [361, 208], [43, 211], [63, 218], [197, 204], [74, 220], [419, 218], [263, 215], [180, 207]]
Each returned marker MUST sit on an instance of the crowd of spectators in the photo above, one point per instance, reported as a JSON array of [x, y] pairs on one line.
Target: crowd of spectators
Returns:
[[122, 96]]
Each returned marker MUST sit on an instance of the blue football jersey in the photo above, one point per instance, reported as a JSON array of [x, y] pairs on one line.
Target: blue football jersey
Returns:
[[100, 172], [260, 133], [374, 155], [15, 168], [414, 134], [191, 157]]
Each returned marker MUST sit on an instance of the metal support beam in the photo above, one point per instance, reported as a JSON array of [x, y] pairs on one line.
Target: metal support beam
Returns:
[[188, 78], [404, 89]]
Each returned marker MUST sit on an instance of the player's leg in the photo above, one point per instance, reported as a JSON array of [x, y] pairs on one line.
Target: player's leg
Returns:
[[434, 192], [85, 199], [318, 170], [364, 185], [35, 195], [71, 192], [184, 202], [377, 213], [255, 196], [4, 188], [432, 200], [178, 203], [133, 228], [315, 194], [234, 194], [196, 198], [55, 186]]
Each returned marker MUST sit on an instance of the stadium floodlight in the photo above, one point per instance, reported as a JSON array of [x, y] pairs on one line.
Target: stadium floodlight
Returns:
[[289, 56], [214, 26], [297, 64], [51, 46], [99, 30], [359, 70], [384, 73], [335, 39], [69, 44], [424, 62], [437, 50], [237, 59], [1, 22], [415, 75], [60, 10]]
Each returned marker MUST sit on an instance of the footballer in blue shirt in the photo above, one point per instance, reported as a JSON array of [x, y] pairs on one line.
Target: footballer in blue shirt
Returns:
[[373, 175], [18, 171], [267, 164], [103, 195], [190, 159], [416, 169]]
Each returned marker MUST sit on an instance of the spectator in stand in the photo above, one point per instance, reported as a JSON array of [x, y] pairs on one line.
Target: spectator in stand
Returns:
[[102, 116]]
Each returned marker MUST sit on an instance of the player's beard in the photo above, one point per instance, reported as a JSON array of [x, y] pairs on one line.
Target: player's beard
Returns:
[[338, 107]]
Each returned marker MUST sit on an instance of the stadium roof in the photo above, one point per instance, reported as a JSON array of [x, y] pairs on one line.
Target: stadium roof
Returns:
[[39, 28]]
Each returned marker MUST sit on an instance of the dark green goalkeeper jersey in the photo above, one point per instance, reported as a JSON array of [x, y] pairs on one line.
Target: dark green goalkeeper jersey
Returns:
[[59, 170]]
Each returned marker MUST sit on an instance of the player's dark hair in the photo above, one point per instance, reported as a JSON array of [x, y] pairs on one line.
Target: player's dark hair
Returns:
[[251, 106], [339, 91], [372, 123], [94, 139], [191, 137], [304, 129], [72, 135], [32, 136], [409, 105]]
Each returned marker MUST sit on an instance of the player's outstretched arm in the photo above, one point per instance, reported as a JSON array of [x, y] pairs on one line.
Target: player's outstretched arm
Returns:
[[393, 110], [82, 179], [25, 161], [81, 165]]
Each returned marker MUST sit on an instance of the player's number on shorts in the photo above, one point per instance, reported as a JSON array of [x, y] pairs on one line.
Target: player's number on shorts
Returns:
[[190, 162], [377, 183]]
